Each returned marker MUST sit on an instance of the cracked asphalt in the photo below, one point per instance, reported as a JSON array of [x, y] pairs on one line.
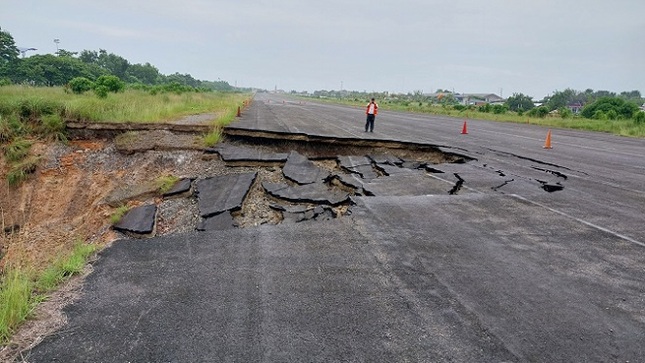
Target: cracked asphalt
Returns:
[[537, 256]]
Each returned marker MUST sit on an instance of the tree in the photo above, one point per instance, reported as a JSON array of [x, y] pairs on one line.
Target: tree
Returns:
[[143, 73], [610, 107], [110, 82], [8, 54], [50, 70], [519, 102], [79, 85]]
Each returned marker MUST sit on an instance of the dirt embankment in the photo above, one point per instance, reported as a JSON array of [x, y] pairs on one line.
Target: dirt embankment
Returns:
[[64, 200]]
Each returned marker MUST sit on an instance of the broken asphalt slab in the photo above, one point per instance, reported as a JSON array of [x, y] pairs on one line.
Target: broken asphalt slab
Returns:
[[139, 220], [217, 222], [235, 154], [302, 170], [181, 187], [317, 193], [222, 193]]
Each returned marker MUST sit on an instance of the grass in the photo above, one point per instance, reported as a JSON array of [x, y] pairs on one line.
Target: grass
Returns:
[[16, 301], [63, 268], [118, 214], [165, 183], [41, 112], [212, 138], [128, 106], [19, 171], [21, 289], [17, 149]]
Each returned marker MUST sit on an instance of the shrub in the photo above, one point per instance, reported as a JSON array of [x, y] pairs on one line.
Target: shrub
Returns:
[[111, 83], [565, 112], [599, 115], [541, 112], [639, 117], [80, 85], [459, 107], [499, 109], [612, 114], [486, 108], [101, 91]]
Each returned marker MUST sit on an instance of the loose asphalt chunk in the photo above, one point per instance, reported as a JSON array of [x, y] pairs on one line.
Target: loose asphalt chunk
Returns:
[[217, 222], [223, 193], [232, 153], [302, 170], [181, 187], [317, 193], [140, 220], [358, 165], [385, 159]]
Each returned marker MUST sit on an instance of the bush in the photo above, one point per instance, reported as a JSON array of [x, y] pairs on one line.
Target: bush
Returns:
[[639, 117], [80, 85], [111, 83], [541, 112], [459, 107], [612, 114], [101, 91], [499, 109], [622, 108], [599, 115], [486, 108], [565, 112]]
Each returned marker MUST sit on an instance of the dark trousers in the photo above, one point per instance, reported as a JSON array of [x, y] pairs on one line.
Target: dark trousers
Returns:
[[369, 124]]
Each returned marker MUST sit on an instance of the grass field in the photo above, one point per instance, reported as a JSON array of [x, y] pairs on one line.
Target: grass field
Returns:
[[127, 106]]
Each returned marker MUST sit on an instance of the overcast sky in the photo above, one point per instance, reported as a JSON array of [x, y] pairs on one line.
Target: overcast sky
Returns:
[[529, 46]]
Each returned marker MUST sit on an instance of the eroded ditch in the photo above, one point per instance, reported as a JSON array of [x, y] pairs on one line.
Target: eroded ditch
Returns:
[[273, 179]]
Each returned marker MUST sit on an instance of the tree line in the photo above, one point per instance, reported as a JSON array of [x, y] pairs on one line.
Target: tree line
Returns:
[[64, 66]]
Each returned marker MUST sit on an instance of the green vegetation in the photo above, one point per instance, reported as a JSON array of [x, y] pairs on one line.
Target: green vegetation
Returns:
[[22, 289], [165, 183], [64, 267], [118, 214], [212, 138]]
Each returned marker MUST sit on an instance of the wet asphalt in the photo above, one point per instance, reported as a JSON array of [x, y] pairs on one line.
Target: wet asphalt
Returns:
[[503, 270]]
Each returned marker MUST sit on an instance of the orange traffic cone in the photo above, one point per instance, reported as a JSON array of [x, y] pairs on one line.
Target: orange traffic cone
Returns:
[[547, 142], [464, 130], [239, 112]]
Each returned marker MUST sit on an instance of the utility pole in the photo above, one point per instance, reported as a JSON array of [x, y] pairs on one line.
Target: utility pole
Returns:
[[56, 41]]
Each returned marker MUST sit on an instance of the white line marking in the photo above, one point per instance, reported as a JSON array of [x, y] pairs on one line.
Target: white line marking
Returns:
[[622, 236]]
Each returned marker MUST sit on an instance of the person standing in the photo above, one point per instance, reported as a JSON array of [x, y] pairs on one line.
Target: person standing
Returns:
[[371, 111]]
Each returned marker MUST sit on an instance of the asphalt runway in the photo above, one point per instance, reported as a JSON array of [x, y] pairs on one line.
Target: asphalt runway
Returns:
[[504, 271]]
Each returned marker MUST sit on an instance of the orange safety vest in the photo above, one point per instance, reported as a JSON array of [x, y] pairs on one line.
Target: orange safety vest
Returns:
[[372, 108]]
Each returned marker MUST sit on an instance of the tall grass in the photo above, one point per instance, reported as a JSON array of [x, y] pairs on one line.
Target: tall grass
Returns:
[[21, 289], [129, 106]]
